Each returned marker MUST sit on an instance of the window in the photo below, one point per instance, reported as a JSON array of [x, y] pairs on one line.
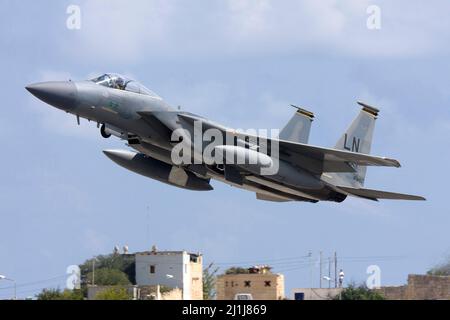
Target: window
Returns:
[[267, 283], [116, 81], [152, 269], [132, 86], [247, 283]]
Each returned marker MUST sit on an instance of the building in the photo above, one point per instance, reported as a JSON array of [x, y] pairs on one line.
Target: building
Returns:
[[257, 281], [315, 293], [419, 287], [171, 269]]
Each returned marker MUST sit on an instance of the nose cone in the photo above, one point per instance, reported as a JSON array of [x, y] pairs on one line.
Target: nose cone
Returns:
[[60, 94], [121, 157]]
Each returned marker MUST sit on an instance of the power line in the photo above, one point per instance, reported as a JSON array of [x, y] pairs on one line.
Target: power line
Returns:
[[38, 289], [297, 265], [27, 284], [294, 268], [258, 261], [280, 260]]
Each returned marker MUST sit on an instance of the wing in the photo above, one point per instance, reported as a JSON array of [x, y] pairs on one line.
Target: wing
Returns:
[[377, 194], [155, 124]]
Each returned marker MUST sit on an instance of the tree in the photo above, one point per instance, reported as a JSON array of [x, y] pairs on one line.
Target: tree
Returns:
[[124, 263], [108, 277], [113, 294], [57, 294], [209, 281], [361, 292], [442, 269]]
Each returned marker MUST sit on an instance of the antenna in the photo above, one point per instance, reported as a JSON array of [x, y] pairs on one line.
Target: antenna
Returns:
[[304, 112], [368, 108], [148, 225]]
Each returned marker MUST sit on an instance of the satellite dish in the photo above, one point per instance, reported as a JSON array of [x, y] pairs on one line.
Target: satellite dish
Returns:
[[125, 249]]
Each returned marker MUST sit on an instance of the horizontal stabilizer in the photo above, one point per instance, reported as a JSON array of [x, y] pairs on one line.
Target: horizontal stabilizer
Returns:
[[377, 194], [319, 160]]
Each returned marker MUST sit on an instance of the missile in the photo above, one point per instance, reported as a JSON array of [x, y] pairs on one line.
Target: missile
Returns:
[[254, 161], [244, 157], [158, 170]]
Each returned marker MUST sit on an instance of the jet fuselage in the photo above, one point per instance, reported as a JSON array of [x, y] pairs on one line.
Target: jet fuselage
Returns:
[[128, 110]]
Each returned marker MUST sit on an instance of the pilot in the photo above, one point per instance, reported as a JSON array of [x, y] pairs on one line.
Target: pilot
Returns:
[[119, 83]]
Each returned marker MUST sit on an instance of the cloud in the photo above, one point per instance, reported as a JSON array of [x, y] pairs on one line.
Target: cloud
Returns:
[[338, 26], [116, 31], [120, 31]]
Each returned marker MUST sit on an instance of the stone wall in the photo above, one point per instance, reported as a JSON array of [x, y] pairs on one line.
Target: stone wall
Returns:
[[420, 287]]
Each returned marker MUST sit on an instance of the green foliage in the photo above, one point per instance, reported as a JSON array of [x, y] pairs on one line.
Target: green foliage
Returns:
[[209, 281], [236, 270], [353, 292], [121, 262], [112, 269], [57, 294], [442, 269], [165, 289], [113, 294], [108, 277]]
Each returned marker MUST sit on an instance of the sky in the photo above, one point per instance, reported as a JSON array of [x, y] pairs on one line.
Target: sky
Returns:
[[239, 62]]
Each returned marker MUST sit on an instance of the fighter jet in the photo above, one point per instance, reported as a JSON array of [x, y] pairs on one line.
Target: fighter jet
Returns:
[[295, 170]]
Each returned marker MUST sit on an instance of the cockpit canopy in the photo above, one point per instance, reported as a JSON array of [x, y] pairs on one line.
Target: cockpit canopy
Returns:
[[116, 81]]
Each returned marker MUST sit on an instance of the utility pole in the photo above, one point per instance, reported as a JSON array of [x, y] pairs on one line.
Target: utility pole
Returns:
[[320, 265], [93, 271], [335, 269], [311, 269], [329, 272]]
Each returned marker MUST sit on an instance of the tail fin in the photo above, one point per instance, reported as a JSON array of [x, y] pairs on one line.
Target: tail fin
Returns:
[[357, 138], [298, 128]]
